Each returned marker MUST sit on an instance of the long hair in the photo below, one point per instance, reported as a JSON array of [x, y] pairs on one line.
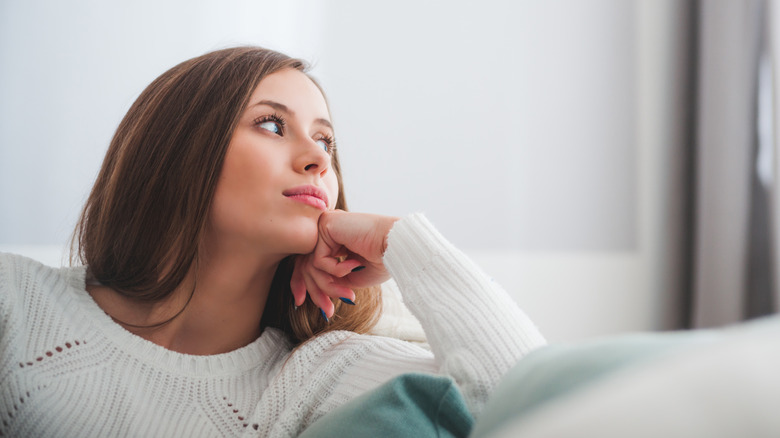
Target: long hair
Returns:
[[140, 229]]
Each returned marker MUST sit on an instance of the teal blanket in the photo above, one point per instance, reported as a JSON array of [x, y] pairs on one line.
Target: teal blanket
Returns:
[[418, 405]]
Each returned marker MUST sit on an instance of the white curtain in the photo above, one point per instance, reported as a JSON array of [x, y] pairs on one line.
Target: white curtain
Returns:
[[734, 216]]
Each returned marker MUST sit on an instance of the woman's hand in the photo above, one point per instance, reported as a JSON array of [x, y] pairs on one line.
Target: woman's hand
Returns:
[[348, 255]]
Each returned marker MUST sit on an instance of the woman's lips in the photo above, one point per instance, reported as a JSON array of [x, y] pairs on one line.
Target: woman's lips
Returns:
[[310, 195]]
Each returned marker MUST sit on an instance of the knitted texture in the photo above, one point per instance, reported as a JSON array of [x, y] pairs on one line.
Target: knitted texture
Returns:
[[67, 370]]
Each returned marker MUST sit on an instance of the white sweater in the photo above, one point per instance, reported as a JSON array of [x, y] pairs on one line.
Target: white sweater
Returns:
[[67, 370]]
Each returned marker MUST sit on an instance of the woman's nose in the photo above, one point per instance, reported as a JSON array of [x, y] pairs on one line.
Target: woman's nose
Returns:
[[312, 158]]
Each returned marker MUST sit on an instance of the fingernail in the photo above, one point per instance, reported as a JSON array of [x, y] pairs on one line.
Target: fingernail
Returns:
[[359, 268], [347, 300], [324, 316]]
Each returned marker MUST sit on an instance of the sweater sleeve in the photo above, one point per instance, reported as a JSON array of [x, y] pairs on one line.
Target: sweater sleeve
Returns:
[[475, 330]]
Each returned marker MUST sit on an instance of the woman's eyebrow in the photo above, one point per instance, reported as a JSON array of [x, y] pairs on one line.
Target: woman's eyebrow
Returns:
[[283, 108], [275, 105], [324, 122]]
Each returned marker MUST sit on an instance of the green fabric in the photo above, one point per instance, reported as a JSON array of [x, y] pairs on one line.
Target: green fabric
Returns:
[[555, 371], [411, 405]]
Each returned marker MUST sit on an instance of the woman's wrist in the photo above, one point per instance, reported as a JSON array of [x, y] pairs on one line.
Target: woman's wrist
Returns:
[[390, 224]]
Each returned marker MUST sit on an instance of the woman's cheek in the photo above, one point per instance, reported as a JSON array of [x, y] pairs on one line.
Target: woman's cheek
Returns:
[[332, 186]]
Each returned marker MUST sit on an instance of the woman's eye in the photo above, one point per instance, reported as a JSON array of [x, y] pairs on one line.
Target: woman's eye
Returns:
[[271, 126], [327, 143], [324, 144]]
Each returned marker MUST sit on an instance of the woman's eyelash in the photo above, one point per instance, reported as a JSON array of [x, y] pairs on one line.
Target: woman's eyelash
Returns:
[[330, 140], [278, 119], [271, 118]]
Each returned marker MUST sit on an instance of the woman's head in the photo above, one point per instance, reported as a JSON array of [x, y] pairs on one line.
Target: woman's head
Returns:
[[277, 176], [161, 186]]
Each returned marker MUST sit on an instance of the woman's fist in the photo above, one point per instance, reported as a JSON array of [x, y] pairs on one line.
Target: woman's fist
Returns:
[[348, 255]]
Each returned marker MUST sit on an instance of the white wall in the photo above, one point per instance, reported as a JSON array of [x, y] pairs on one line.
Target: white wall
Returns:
[[71, 69], [529, 132], [511, 124]]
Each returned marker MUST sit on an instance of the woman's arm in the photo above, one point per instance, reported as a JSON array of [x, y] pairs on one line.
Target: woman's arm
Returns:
[[475, 330]]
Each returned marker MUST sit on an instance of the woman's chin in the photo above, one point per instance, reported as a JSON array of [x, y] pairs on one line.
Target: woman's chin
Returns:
[[303, 247], [302, 239]]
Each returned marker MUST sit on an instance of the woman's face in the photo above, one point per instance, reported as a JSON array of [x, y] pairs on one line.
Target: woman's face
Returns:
[[277, 177]]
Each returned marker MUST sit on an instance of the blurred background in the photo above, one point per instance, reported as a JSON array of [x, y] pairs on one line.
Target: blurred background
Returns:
[[610, 162]]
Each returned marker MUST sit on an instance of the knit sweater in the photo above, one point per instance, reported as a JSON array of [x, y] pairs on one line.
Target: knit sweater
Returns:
[[68, 370]]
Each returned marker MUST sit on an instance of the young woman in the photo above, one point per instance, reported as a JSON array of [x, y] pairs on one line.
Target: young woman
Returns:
[[222, 287]]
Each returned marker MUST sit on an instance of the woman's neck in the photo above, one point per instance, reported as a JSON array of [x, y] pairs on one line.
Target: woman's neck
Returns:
[[221, 301]]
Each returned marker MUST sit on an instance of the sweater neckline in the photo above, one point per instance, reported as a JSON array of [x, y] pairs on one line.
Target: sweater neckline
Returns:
[[263, 349]]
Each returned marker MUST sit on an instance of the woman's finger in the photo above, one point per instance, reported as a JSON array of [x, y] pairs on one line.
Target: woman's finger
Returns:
[[319, 298], [360, 233], [336, 268], [329, 285]]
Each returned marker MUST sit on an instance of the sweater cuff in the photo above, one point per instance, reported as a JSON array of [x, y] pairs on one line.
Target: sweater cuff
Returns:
[[411, 244]]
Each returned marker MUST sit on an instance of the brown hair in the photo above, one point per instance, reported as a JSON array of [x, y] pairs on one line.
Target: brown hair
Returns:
[[140, 229]]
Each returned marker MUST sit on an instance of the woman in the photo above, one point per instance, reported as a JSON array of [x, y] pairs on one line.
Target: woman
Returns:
[[224, 288]]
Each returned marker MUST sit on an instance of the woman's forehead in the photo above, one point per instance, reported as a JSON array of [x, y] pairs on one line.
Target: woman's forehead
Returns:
[[293, 90]]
